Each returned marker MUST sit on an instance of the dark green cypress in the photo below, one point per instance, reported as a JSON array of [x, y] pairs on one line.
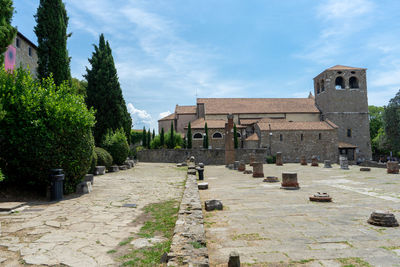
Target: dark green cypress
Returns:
[[144, 137], [235, 137], [104, 93], [189, 136], [148, 139], [172, 137], [7, 32], [205, 138], [162, 138], [51, 32], [154, 134]]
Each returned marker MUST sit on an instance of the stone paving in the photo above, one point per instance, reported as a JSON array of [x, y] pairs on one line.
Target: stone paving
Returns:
[[80, 230], [271, 226]]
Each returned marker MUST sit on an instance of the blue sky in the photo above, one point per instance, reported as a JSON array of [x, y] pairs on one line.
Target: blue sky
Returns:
[[166, 52]]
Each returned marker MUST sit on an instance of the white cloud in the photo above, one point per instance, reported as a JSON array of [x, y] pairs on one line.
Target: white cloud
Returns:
[[164, 114], [139, 116], [344, 9]]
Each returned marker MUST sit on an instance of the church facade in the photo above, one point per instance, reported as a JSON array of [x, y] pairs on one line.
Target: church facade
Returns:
[[331, 122]]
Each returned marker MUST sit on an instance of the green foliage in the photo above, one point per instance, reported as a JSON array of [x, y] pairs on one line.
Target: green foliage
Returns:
[[46, 127], [271, 159], [177, 147], [156, 142], [93, 162], [7, 32], [136, 136], [104, 93], [184, 143], [380, 144], [189, 136], [235, 137], [205, 137], [148, 139], [1, 176], [51, 32], [117, 145], [144, 137], [162, 137], [375, 120], [391, 117], [154, 134], [78, 87], [171, 143], [103, 157]]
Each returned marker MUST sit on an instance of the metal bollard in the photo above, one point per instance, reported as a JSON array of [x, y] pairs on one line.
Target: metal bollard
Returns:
[[56, 190], [201, 173]]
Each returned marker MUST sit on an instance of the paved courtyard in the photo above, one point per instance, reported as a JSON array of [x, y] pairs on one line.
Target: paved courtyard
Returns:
[[271, 226], [80, 230]]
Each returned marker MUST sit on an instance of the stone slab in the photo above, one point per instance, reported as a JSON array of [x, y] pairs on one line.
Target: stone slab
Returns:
[[9, 206]]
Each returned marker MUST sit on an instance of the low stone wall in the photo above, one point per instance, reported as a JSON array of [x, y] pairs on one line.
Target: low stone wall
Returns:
[[374, 164], [207, 156], [189, 241]]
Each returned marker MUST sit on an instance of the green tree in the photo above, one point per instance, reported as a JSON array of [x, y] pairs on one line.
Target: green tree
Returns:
[[51, 31], [154, 134], [144, 137], [7, 32], [116, 144], [391, 117], [104, 93], [79, 87], [136, 136], [148, 139], [375, 120], [189, 136], [171, 140], [205, 137], [162, 137], [235, 137]]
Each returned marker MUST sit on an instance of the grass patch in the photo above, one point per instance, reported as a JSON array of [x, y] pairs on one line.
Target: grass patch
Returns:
[[197, 245], [123, 243], [162, 221], [111, 251], [353, 262]]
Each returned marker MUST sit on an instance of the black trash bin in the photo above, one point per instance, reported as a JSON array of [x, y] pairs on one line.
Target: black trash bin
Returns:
[[201, 173], [56, 188]]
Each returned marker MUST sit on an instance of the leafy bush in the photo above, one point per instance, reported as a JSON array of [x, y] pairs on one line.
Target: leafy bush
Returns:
[[46, 127], [1, 176], [117, 145], [271, 159], [177, 147], [93, 163], [156, 142], [103, 157]]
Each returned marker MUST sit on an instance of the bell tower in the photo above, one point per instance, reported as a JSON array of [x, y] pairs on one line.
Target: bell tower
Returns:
[[341, 95]]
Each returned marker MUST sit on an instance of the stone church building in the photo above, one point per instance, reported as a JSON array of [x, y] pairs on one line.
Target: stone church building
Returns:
[[331, 122]]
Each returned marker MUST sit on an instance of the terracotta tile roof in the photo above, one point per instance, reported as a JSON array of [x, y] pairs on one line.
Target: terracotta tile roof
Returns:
[[341, 67], [345, 145], [185, 109], [252, 121], [258, 105], [168, 118], [211, 124], [253, 137], [296, 126]]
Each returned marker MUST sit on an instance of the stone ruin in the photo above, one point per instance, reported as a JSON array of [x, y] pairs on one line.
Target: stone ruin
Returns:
[[271, 179], [289, 181], [242, 166], [344, 163], [321, 197], [279, 160], [381, 218], [327, 164], [314, 161], [252, 159], [365, 169], [303, 161], [258, 171], [392, 167]]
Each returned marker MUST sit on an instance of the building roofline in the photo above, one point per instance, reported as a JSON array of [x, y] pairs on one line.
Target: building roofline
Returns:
[[26, 40]]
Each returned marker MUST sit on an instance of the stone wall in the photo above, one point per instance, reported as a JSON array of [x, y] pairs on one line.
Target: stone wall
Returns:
[[207, 156], [188, 246], [292, 147], [23, 59]]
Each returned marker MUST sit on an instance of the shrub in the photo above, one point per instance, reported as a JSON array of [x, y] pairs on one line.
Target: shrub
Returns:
[[117, 145], [1, 176], [46, 127], [103, 157], [93, 163], [156, 142], [271, 159]]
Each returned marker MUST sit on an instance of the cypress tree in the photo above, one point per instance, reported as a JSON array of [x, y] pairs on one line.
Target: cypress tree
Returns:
[[7, 32], [235, 137], [104, 92], [154, 135], [172, 139], [189, 136], [144, 137], [162, 138], [148, 139], [51, 32], [205, 138]]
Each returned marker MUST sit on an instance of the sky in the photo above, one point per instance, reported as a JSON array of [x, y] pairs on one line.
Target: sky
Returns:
[[170, 52]]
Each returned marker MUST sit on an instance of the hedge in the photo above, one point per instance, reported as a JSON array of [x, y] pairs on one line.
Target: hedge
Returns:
[[117, 145], [103, 157]]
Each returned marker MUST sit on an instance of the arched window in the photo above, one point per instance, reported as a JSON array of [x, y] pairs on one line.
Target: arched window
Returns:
[[353, 82], [322, 85], [238, 134], [217, 135], [339, 83], [197, 136]]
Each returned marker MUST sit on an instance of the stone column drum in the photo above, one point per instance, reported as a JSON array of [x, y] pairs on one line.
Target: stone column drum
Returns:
[[392, 167], [279, 161], [314, 161], [303, 160], [327, 164], [252, 159], [242, 166], [258, 170], [289, 181], [235, 165], [344, 163]]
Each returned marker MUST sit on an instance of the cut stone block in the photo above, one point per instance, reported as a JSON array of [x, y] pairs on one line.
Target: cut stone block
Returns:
[[314, 161], [365, 169], [258, 171], [234, 259], [279, 159], [122, 167], [289, 181], [236, 165], [252, 159], [327, 164], [9, 206], [100, 170], [84, 188], [271, 179], [303, 160], [242, 166], [344, 163], [89, 178], [321, 197], [113, 168], [202, 186], [214, 204], [392, 167], [191, 172], [179, 165], [381, 218]]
